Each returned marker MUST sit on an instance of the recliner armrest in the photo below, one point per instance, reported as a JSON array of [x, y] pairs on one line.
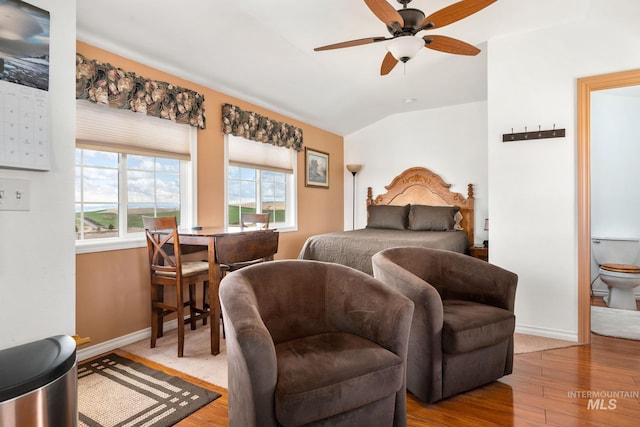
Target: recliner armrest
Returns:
[[471, 279], [253, 379], [425, 342]]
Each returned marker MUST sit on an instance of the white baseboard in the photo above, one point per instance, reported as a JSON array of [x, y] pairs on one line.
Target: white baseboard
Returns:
[[602, 292], [549, 333], [107, 346]]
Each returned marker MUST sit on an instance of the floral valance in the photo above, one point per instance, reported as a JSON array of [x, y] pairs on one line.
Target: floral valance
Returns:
[[106, 84], [255, 127]]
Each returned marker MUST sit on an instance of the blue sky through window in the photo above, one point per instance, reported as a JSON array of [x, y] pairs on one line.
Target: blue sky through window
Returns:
[[149, 180]]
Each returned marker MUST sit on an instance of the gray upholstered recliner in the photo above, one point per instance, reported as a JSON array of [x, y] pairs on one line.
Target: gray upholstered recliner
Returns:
[[463, 322], [314, 343]]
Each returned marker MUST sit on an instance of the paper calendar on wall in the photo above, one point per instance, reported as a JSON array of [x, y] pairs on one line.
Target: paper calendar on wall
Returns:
[[24, 85]]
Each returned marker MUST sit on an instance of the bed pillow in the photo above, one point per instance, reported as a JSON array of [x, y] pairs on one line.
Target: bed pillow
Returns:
[[386, 216], [432, 218]]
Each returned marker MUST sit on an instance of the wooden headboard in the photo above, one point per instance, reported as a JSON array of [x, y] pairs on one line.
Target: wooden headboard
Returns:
[[420, 186]]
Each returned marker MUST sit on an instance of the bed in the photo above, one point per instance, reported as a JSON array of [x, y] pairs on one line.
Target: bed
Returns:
[[418, 209]]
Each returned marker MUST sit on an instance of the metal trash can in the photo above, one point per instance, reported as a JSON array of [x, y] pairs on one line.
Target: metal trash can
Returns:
[[39, 384]]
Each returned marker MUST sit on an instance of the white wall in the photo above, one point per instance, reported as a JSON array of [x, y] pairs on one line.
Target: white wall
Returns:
[[615, 164], [37, 255], [615, 168], [528, 188], [532, 184], [450, 141]]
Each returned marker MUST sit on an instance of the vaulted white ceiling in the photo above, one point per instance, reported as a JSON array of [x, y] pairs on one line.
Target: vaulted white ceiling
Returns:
[[262, 51]]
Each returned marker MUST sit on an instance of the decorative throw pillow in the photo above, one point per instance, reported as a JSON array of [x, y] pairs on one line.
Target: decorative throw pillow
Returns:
[[385, 216], [458, 219], [432, 218]]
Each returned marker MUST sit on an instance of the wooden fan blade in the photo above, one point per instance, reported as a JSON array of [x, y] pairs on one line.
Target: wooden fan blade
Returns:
[[450, 45], [351, 43], [387, 64], [385, 12], [454, 12]]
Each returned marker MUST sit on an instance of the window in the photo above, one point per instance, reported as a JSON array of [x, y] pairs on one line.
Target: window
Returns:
[[114, 191], [261, 178], [128, 166]]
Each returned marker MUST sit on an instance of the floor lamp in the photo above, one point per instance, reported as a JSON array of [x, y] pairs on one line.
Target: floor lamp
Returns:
[[354, 169]]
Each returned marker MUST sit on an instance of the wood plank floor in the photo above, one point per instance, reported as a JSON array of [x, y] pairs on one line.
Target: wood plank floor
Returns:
[[546, 388]]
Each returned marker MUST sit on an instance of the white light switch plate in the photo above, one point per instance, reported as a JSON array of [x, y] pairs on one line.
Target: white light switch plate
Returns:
[[14, 194]]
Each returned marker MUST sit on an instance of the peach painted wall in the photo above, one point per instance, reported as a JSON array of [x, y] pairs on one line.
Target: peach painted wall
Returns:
[[112, 287]]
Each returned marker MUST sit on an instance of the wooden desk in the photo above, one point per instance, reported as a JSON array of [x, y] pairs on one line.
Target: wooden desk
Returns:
[[206, 237]]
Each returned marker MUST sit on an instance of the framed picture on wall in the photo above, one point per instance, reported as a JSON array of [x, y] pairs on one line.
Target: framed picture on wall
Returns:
[[316, 166]]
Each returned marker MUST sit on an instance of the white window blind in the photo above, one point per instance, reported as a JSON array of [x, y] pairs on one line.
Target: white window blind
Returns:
[[259, 155], [100, 127]]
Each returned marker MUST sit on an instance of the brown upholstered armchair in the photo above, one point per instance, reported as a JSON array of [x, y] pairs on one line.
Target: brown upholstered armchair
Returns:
[[463, 322], [314, 343]]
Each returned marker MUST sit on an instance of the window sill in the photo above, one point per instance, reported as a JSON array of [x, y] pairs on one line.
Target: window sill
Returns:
[[103, 245], [284, 229]]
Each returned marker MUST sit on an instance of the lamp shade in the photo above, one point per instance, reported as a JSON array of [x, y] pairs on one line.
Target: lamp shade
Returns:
[[404, 48], [354, 168]]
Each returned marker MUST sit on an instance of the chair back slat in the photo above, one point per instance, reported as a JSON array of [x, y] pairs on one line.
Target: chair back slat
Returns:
[[255, 218], [162, 232], [235, 248]]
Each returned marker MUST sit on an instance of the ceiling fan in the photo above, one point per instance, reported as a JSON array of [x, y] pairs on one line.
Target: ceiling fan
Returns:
[[405, 23]]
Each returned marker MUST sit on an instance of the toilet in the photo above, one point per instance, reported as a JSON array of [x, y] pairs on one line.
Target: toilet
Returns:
[[618, 259]]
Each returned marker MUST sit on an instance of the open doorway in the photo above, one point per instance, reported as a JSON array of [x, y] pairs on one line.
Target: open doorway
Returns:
[[587, 85]]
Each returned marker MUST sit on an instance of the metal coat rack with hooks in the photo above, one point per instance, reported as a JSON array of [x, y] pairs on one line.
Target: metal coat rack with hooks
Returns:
[[538, 134]]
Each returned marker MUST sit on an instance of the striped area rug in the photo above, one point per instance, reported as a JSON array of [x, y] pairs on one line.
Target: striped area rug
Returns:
[[115, 391]]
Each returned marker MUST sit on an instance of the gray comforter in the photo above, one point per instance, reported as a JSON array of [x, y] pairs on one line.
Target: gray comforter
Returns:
[[355, 248]]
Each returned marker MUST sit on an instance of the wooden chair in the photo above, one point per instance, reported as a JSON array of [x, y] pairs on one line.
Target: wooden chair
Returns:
[[234, 251], [168, 270], [254, 218]]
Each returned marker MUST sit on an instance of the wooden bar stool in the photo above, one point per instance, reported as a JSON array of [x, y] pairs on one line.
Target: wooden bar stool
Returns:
[[168, 270], [234, 251]]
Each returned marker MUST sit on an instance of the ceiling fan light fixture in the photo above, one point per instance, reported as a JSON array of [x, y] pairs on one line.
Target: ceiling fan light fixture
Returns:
[[404, 48]]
